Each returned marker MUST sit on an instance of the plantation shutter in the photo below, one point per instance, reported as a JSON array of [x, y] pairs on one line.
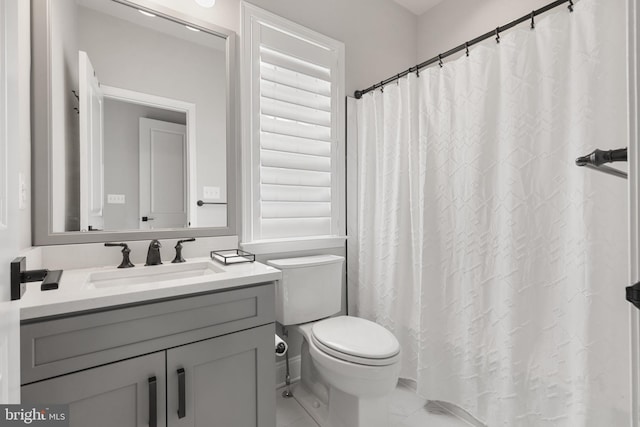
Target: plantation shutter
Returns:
[[297, 137]]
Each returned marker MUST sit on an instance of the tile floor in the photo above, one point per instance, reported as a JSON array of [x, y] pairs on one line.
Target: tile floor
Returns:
[[407, 410]]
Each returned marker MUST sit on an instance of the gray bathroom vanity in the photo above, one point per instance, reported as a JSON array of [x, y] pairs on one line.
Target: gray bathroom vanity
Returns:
[[202, 356]]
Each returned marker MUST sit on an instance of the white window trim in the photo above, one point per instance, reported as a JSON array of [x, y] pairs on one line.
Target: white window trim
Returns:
[[293, 245], [250, 150]]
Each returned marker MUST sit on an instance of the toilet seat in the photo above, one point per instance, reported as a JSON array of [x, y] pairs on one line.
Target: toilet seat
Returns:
[[356, 340]]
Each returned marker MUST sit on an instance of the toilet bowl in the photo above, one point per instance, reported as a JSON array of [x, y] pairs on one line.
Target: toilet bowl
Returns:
[[356, 365], [354, 355], [349, 365]]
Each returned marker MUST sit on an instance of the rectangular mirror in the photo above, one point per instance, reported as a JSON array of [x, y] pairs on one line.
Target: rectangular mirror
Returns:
[[133, 123]]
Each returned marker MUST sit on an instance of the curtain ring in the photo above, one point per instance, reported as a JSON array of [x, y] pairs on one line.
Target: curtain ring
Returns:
[[440, 61], [533, 19], [417, 71], [498, 35], [570, 6], [382, 87], [398, 79], [466, 48]]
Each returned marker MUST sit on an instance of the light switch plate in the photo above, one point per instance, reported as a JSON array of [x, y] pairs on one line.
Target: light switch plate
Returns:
[[211, 193], [115, 199]]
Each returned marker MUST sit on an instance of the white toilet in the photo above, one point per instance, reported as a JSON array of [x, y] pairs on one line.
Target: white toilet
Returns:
[[349, 364]]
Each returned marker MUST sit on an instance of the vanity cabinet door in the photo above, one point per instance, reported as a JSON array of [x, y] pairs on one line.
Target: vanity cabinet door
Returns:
[[225, 381], [120, 394]]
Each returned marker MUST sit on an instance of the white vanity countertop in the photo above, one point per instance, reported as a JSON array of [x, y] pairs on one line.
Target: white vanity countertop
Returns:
[[75, 292]]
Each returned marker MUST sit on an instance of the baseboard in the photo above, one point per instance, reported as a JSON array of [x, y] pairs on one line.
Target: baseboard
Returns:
[[281, 370]]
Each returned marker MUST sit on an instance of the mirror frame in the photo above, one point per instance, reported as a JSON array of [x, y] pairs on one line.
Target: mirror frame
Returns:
[[41, 118]]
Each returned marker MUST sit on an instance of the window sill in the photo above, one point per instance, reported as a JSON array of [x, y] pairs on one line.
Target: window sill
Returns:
[[293, 245]]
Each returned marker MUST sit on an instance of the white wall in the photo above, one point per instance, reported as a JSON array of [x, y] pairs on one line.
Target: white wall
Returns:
[[453, 22], [15, 133], [23, 112], [15, 232]]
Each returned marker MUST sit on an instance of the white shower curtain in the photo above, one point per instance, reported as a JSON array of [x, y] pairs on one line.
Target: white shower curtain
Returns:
[[498, 263]]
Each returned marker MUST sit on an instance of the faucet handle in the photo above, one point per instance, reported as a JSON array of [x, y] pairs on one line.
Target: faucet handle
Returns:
[[178, 258], [124, 245], [126, 262]]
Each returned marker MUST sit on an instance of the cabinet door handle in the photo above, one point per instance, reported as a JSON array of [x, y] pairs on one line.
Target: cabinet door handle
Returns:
[[182, 411], [153, 402]]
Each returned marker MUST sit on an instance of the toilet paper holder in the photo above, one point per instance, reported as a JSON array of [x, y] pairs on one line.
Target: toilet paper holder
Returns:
[[281, 346]]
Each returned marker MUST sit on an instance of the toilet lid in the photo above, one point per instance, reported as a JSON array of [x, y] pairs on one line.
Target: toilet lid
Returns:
[[353, 336]]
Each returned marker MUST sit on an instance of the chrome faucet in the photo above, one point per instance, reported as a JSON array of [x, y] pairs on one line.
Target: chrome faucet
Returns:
[[153, 254]]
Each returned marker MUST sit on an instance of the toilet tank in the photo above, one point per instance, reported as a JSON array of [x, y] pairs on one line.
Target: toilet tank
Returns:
[[310, 288]]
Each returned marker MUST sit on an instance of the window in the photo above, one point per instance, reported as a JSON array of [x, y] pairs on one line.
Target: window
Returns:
[[293, 130]]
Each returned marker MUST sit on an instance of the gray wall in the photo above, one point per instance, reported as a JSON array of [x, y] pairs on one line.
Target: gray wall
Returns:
[[454, 22], [121, 158], [379, 35]]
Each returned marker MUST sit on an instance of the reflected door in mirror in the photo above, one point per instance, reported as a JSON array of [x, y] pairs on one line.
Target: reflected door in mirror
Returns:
[[91, 101], [163, 177]]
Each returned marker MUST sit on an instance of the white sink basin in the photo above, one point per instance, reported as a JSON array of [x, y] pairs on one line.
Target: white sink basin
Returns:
[[151, 274]]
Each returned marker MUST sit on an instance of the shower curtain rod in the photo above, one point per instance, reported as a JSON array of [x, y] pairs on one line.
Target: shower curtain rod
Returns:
[[596, 160], [465, 46]]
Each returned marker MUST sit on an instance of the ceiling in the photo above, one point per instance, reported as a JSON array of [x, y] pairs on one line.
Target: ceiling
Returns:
[[418, 6]]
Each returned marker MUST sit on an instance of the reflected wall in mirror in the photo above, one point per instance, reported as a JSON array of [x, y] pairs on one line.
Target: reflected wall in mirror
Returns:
[[138, 118]]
